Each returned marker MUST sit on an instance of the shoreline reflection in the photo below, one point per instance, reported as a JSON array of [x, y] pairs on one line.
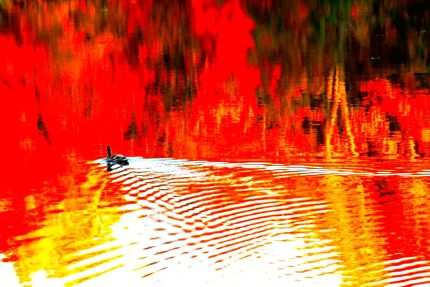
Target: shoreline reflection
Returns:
[[303, 128]]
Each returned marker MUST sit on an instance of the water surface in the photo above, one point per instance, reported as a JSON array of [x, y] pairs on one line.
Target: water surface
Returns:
[[273, 143]]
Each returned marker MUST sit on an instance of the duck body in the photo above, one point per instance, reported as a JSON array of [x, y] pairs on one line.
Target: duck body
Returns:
[[115, 160]]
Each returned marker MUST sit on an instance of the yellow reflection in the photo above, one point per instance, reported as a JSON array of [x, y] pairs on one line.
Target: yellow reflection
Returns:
[[416, 205], [355, 227], [275, 229], [45, 255], [337, 93], [5, 204]]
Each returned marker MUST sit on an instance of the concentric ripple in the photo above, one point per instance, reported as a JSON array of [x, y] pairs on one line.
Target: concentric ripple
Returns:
[[163, 222]]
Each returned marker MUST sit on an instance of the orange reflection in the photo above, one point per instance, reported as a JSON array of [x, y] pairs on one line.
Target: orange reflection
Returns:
[[354, 220], [162, 218], [336, 92], [188, 92], [78, 223], [222, 81]]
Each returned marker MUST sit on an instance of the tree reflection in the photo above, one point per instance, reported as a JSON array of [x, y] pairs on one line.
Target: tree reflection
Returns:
[[301, 76]]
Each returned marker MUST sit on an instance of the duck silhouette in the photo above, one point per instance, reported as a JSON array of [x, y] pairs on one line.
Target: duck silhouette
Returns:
[[115, 160]]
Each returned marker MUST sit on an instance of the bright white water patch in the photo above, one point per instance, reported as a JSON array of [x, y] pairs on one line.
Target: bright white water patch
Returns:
[[167, 222]]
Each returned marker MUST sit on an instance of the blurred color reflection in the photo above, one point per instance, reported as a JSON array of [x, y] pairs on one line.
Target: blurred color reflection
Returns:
[[283, 143]]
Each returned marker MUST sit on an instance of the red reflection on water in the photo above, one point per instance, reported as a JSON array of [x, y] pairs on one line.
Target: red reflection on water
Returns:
[[404, 113], [133, 82], [92, 90]]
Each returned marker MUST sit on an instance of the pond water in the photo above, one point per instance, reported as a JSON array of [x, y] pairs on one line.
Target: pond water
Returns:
[[271, 143]]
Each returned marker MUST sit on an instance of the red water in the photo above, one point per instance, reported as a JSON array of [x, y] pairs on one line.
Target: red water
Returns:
[[219, 82]]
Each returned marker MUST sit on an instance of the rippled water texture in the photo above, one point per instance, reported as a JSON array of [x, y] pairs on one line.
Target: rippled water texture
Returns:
[[271, 143], [163, 222]]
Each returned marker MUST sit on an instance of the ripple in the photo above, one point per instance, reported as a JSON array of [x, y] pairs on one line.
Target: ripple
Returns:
[[159, 222], [217, 212]]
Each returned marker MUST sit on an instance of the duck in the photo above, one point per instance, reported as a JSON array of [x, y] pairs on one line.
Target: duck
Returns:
[[115, 160]]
